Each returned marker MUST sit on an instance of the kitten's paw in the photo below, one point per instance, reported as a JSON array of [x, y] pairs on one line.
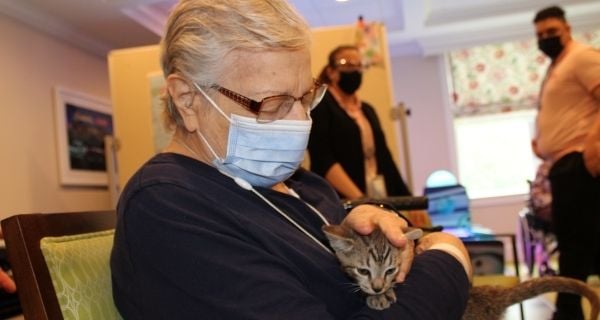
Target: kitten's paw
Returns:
[[381, 301], [391, 295], [378, 302]]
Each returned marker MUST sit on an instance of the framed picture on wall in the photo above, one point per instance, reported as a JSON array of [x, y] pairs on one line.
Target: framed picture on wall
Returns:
[[82, 121]]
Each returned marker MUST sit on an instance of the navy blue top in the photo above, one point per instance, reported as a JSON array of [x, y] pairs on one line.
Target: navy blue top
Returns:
[[191, 244]]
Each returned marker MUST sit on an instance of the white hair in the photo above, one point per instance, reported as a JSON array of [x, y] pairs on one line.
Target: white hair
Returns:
[[200, 33]]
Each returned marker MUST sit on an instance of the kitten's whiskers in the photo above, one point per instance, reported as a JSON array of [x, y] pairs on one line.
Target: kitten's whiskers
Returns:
[[352, 287]]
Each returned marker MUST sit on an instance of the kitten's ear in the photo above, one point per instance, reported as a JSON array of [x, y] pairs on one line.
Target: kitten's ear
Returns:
[[339, 237]]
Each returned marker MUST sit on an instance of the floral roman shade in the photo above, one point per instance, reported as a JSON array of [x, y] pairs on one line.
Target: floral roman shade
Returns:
[[501, 77]]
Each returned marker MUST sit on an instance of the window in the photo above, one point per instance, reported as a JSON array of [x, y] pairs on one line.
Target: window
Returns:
[[494, 153]]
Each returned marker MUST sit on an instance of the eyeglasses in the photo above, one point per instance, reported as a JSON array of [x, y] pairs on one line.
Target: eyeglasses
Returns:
[[276, 107], [345, 64]]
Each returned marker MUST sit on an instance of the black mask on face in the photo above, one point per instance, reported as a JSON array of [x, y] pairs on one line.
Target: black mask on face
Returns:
[[350, 81], [551, 46]]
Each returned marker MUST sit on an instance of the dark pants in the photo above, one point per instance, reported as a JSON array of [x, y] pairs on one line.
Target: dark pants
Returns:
[[576, 217]]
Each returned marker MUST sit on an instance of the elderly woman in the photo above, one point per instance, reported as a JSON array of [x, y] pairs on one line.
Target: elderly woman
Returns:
[[222, 225]]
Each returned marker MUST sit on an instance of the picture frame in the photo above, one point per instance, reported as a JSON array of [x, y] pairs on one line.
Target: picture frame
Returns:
[[82, 121]]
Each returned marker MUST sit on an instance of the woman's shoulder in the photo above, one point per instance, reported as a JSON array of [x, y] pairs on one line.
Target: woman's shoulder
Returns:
[[366, 106], [173, 169], [170, 166], [171, 181]]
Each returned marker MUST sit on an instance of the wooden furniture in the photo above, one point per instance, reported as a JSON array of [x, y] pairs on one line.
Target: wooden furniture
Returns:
[[22, 234]]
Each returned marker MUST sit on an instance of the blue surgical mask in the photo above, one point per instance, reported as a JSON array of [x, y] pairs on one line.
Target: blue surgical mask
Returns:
[[263, 154]]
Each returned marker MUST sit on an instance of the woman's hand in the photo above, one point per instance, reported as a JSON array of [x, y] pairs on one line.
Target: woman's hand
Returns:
[[365, 218]]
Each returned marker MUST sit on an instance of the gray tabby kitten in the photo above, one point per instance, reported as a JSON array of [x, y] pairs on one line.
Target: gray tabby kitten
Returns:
[[373, 263], [370, 260]]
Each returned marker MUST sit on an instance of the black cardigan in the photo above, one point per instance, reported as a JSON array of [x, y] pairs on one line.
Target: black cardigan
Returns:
[[335, 137]]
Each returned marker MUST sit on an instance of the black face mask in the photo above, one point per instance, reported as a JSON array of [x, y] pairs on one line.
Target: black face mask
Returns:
[[350, 81], [551, 46]]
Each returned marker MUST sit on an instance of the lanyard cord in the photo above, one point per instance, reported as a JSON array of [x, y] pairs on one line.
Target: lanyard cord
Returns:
[[293, 192], [288, 218]]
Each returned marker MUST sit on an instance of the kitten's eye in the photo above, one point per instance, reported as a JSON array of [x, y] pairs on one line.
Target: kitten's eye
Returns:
[[390, 271], [362, 271]]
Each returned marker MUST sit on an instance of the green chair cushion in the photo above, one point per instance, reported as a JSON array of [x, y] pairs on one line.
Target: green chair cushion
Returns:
[[80, 272]]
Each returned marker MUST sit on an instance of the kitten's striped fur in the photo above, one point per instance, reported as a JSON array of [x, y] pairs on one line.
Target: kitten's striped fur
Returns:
[[370, 260]]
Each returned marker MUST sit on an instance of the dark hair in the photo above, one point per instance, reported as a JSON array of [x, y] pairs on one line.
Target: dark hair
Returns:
[[550, 12], [323, 78]]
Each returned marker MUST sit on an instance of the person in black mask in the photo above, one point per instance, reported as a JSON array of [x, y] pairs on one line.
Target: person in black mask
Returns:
[[552, 31], [568, 137], [347, 145]]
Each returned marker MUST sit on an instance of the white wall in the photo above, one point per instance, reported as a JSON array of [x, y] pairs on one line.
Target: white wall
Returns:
[[420, 83], [31, 64], [417, 84]]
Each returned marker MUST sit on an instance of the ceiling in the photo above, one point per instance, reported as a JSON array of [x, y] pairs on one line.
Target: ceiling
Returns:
[[415, 27]]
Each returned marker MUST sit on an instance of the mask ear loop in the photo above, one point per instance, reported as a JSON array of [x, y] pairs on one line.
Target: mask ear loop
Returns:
[[211, 101]]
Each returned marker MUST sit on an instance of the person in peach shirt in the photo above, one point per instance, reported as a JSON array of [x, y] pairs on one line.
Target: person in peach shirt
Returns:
[[568, 137]]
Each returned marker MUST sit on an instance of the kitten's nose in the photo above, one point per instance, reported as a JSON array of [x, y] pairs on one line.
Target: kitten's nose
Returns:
[[377, 285]]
